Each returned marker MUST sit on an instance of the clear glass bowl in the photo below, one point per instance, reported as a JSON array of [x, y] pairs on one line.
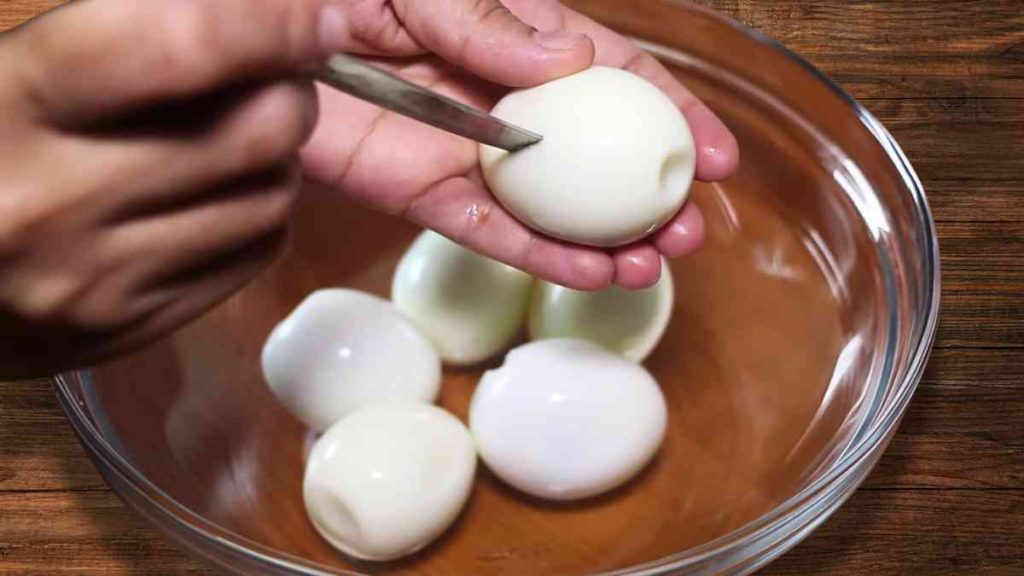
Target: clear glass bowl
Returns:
[[800, 333]]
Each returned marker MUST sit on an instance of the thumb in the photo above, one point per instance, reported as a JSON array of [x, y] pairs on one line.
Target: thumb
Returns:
[[486, 39]]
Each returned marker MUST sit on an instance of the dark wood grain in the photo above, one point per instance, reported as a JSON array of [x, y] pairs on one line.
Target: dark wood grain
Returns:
[[934, 532], [34, 439], [947, 78], [953, 49], [953, 139], [982, 276], [959, 201], [89, 532], [963, 429]]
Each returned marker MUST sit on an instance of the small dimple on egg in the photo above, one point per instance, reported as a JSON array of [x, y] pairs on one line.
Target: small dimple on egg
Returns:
[[674, 174], [338, 516]]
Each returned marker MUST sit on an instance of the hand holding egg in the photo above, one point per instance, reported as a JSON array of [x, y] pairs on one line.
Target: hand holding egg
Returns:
[[616, 162], [434, 178], [608, 409]]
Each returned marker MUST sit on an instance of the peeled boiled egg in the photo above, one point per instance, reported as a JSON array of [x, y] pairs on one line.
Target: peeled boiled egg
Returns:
[[469, 306], [616, 162], [342, 349], [630, 322], [388, 479], [565, 419]]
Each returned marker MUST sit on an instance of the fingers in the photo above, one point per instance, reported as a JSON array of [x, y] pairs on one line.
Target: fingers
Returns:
[[637, 266], [114, 280], [164, 166], [464, 211], [192, 294], [717, 150], [137, 52], [683, 234], [233, 217], [483, 37], [718, 153]]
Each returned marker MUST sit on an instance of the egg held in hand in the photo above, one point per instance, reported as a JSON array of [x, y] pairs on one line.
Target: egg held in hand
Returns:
[[388, 479], [469, 306], [616, 162], [566, 419], [630, 322], [340, 350]]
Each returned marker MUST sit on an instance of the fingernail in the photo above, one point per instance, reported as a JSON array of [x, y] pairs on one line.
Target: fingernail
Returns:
[[559, 39], [332, 27]]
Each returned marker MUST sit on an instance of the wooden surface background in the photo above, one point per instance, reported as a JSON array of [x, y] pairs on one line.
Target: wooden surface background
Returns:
[[947, 77]]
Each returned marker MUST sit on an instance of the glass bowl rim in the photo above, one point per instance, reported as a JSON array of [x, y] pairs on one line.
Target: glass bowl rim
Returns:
[[848, 465]]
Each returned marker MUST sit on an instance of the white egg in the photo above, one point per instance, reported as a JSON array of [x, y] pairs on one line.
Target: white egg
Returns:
[[342, 349], [616, 162], [469, 306], [567, 419], [630, 322], [389, 479]]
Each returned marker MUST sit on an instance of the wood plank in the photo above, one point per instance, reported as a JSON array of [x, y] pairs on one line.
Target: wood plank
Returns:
[[970, 402], [15, 12], [963, 140], [956, 201], [918, 48], [982, 279], [933, 532], [82, 534], [948, 531], [38, 450]]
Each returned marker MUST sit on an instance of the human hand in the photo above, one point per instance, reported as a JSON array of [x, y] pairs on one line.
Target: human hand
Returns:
[[470, 49], [148, 165]]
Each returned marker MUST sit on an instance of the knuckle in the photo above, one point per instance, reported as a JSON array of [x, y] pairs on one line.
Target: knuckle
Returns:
[[298, 40], [285, 29], [24, 220], [46, 43], [98, 300], [493, 15], [278, 204], [49, 43], [488, 11], [40, 292], [13, 234], [191, 41], [49, 299], [279, 124], [366, 26], [489, 15], [98, 314]]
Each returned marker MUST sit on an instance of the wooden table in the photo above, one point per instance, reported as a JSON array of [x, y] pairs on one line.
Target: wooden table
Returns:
[[947, 77]]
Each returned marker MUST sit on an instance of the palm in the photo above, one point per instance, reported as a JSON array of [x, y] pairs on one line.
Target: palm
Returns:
[[430, 177], [389, 161]]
